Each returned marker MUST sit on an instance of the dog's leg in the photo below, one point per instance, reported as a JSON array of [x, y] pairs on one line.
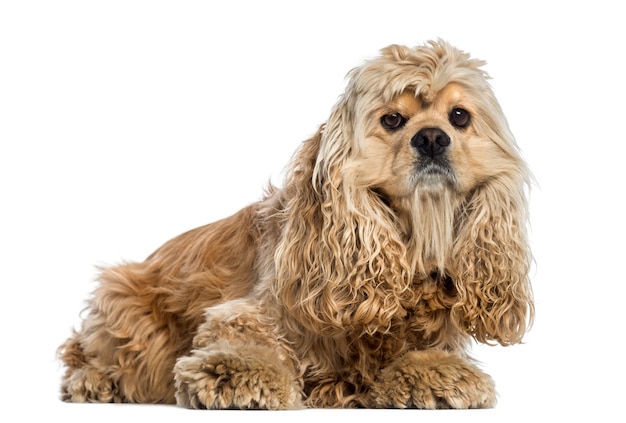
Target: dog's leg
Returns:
[[125, 350], [432, 379], [238, 363], [231, 375], [82, 381], [118, 372]]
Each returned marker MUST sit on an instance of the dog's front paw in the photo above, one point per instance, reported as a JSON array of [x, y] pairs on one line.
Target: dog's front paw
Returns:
[[433, 379], [235, 379]]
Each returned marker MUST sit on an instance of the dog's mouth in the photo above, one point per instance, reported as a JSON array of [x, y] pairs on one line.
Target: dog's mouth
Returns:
[[434, 171], [434, 175]]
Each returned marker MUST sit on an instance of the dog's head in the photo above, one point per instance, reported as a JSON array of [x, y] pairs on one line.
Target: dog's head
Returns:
[[417, 172], [423, 120]]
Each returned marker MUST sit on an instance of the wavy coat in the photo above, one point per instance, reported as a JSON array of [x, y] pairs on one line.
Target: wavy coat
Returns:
[[358, 283]]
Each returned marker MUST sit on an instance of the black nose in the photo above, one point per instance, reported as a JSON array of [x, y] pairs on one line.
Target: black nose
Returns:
[[431, 142]]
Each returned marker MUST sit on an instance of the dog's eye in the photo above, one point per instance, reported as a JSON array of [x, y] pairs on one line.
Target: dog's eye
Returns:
[[392, 121], [459, 118]]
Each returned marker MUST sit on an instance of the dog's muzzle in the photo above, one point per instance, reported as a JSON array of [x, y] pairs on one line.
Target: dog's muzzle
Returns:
[[432, 145]]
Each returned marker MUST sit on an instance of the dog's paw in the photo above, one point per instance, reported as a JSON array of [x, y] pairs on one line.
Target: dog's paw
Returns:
[[220, 380], [433, 379], [88, 385]]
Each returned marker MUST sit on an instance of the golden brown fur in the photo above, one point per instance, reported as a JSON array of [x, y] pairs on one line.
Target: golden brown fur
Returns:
[[360, 282]]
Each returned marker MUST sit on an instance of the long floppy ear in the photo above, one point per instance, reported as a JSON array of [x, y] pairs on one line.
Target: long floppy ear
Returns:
[[495, 297], [340, 264]]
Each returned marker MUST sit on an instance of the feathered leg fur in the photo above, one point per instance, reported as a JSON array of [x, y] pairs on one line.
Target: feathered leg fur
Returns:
[[237, 362], [432, 379]]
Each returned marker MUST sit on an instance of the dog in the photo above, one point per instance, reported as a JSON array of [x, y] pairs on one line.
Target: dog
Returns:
[[399, 236]]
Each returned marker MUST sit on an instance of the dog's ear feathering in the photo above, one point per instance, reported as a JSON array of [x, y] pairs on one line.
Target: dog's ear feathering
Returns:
[[355, 273], [495, 298]]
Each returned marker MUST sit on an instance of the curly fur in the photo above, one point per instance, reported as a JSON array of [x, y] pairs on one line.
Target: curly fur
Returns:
[[360, 282]]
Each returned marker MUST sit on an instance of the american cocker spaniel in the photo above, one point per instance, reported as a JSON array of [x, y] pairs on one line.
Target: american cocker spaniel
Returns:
[[399, 234]]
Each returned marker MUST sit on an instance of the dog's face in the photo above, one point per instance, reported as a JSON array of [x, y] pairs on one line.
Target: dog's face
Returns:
[[411, 143], [418, 123]]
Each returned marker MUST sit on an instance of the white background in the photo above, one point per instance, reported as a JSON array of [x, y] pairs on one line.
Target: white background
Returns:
[[125, 123]]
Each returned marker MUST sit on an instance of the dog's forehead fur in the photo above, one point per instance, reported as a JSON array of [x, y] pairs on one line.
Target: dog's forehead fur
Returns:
[[426, 70], [408, 104]]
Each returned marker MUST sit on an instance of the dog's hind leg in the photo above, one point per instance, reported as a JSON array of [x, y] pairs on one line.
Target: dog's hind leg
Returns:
[[125, 350], [82, 381]]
